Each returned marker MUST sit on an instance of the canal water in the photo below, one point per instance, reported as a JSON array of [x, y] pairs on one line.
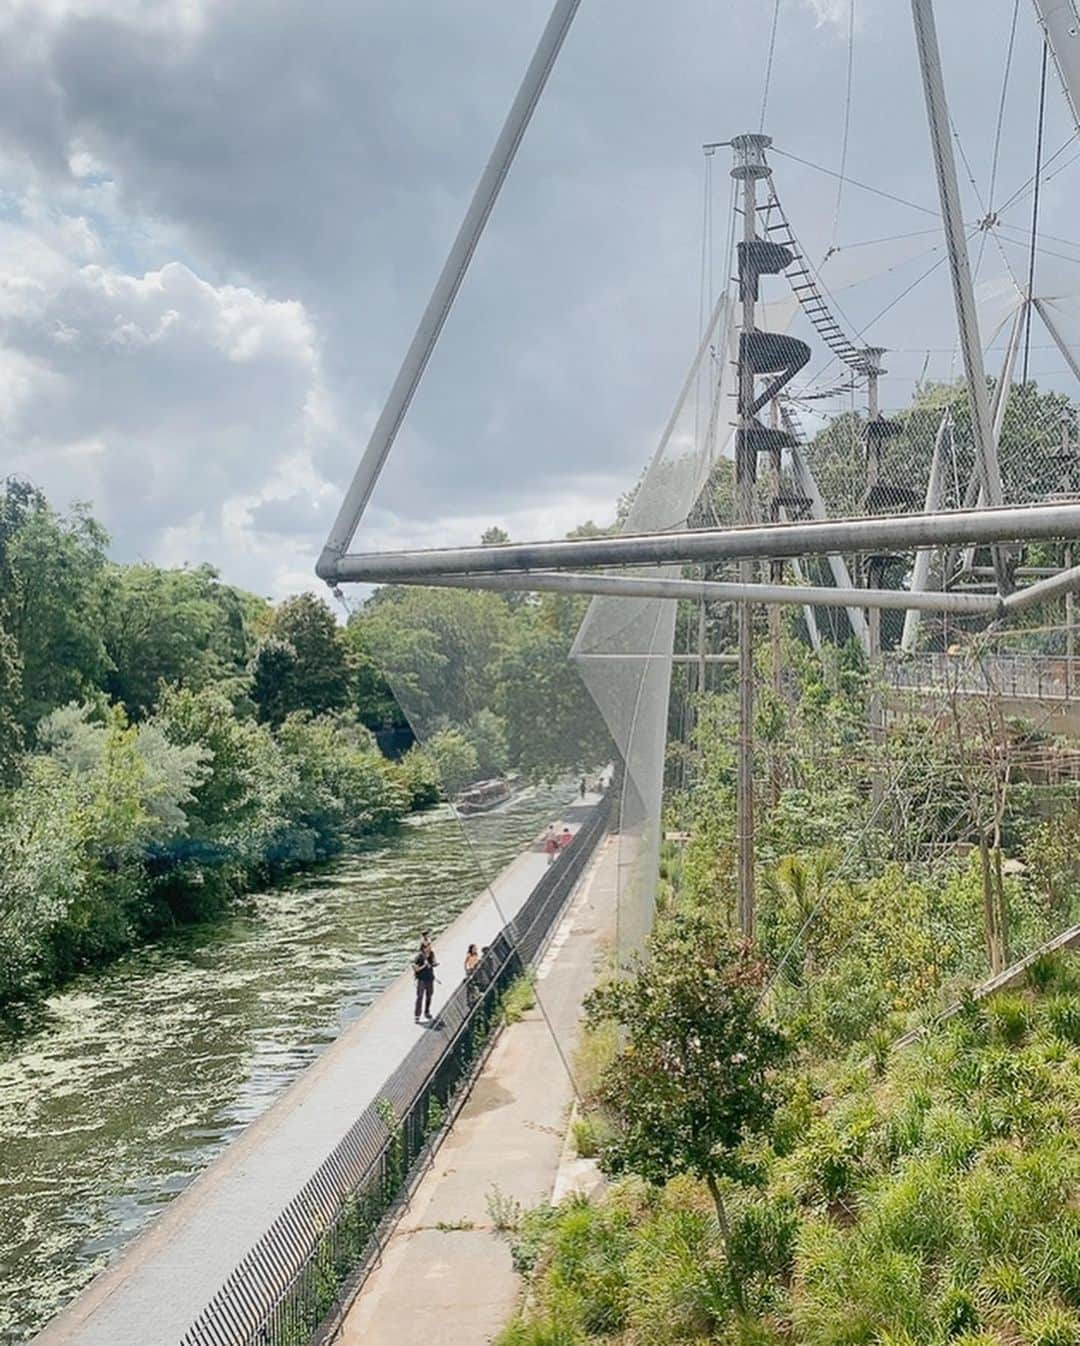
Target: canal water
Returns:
[[134, 1079]]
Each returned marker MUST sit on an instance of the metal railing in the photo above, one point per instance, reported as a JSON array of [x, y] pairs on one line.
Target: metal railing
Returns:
[[1050, 677], [291, 1280]]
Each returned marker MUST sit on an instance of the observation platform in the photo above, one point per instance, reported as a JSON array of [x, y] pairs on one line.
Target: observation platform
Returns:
[[1046, 687], [169, 1274]]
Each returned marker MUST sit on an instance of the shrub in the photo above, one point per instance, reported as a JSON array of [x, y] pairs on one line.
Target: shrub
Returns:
[[1052, 1326], [1008, 1017], [1061, 1014]]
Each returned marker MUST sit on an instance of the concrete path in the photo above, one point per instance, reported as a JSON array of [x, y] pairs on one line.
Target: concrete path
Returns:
[[446, 1276], [164, 1279]]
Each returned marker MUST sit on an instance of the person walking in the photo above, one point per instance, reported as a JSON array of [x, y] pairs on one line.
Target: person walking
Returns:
[[583, 787], [565, 839], [424, 965], [472, 959], [551, 843]]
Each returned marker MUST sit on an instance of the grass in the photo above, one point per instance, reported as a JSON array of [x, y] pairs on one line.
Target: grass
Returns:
[[928, 1197], [518, 999]]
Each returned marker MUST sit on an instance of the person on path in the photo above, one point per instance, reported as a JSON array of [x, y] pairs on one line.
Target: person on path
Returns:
[[551, 843], [472, 988], [566, 838], [583, 787], [424, 965]]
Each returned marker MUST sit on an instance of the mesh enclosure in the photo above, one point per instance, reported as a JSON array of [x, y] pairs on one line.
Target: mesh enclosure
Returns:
[[625, 645]]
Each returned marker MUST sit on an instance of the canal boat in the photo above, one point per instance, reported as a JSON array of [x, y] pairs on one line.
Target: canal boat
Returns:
[[484, 795]]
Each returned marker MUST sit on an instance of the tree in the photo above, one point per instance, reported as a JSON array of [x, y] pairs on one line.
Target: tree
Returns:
[[439, 650], [455, 760], [487, 734], [494, 536], [10, 701], [274, 678], [180, 628], [552, 723], [319, 679], [694, 1078], [50, 581]]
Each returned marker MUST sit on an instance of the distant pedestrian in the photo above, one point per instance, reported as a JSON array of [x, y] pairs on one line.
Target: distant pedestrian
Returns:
[[565, 838], [424, 965], [472, 983], [583, 787], [551, 844]]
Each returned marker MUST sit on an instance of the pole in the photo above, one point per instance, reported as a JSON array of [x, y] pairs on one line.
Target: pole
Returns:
[[841, 575], [876, 706], [447, 286], [1067, 483], [894, 532], [749, 166], [713, 591], [776, 567], [975, 493], [959, 264], [921, 572]]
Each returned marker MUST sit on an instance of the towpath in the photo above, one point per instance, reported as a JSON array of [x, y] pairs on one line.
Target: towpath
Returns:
[[150, 1296], [446, 1274]]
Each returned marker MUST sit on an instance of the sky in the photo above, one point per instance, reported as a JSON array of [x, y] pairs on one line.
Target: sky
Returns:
[[220, 221]]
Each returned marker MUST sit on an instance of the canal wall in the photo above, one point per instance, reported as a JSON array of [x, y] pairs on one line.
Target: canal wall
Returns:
[[208, 1268]]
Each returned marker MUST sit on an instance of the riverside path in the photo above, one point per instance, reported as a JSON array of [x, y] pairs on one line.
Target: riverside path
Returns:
[[151, 1295]]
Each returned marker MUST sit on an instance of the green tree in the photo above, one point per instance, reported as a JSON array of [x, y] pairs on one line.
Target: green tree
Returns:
[[552, 723], [455, 760], [319, 678], [50, 583], [274, 679], [439, 649], [694, 1079], [494, 536], [172, 628], [487, 734], [11, 738]]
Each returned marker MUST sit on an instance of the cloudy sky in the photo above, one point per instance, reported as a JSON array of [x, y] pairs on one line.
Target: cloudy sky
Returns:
[[220, 220]]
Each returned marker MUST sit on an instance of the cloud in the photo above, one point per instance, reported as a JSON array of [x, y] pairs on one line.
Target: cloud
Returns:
[[831, 11], [220, 220], [160, 396]]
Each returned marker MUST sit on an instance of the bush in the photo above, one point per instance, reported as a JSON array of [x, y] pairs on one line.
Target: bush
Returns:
[[1008, 1017]]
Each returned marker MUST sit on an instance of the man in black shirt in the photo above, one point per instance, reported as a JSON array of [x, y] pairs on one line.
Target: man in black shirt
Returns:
[[424, 965]]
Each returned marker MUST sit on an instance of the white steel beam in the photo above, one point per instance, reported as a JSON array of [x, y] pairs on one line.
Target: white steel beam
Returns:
[[921, 571], [807, 483], [713, 591], [902, 532], [959, 263]]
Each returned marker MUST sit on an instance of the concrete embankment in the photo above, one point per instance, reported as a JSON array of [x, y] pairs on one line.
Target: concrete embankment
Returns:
[[150, 1296]]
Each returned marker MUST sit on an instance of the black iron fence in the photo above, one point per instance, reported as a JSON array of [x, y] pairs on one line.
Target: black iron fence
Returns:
[[292, 1279]]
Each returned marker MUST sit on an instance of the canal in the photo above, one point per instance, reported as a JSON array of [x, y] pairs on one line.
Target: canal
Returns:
[[130, 1082]]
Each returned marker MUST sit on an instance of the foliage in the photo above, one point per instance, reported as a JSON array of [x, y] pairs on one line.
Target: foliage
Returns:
[[694, 1078], [496, 672], [178, 628], [316, 677], [51, 599], [455, 760], [933, 1205]]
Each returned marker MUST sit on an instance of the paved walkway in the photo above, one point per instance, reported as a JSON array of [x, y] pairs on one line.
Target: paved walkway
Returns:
[[151, 1295], [446, 1276]]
